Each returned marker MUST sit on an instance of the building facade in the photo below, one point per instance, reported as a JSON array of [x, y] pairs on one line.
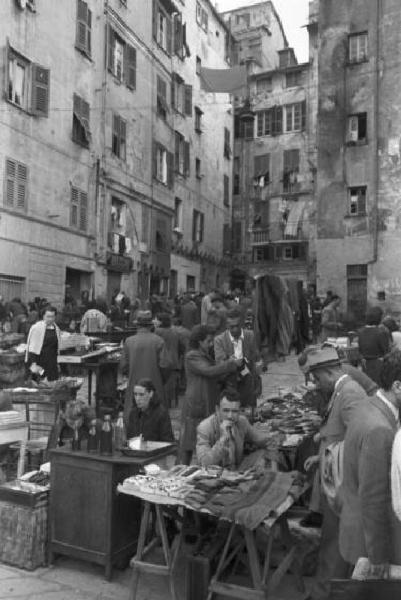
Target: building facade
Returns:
[[359, 124], [275, 154], [110, 156]]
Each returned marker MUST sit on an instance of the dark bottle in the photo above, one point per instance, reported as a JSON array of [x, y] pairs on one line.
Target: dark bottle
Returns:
[[76, 442], [119, 434], [106, 436], [93, 440]]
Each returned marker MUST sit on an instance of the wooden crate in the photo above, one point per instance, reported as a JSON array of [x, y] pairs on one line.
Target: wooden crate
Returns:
[[23, 528]]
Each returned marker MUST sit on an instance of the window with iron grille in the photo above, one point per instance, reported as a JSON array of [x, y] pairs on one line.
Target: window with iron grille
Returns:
[[27, 84], [83, 41], [121, 59], [358, 47], [79, 209], [357, 200], [119, 137], [80, 121], [16, 183], [357, 128]]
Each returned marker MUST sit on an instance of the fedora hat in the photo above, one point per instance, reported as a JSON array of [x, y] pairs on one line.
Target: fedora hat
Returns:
[[318, 358]]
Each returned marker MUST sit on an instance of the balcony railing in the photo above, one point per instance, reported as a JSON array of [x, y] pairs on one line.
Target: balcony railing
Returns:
[[261, 236]]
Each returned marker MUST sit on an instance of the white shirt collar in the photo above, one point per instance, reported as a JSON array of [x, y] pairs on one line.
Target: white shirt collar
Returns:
[[387, 402], [236, 340]]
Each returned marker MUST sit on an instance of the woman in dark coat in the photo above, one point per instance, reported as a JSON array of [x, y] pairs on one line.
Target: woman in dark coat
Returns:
[[148, 417], [374, 342], [202, 391]]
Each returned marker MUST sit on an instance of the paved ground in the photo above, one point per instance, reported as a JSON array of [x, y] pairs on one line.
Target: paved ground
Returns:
[[75, 580]]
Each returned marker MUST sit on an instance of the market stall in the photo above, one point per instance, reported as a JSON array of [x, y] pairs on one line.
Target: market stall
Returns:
[[244, 505]]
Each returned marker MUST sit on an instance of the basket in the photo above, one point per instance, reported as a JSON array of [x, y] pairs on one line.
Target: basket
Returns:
[[23, 528]]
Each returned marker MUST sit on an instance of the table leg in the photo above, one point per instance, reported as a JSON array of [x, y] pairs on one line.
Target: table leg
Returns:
[[139, 551], [222, 560], [253, 558]]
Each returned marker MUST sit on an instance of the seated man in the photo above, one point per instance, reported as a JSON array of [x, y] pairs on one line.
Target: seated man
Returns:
[[221, 437]]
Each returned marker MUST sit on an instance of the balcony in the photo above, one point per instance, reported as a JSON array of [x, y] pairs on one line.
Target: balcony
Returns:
[[260, 236]]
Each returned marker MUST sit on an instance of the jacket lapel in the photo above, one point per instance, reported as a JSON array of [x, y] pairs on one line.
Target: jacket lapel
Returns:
[[385, 410]]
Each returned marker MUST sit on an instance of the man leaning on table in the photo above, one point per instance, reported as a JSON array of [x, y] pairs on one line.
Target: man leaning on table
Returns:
[[221, 437]]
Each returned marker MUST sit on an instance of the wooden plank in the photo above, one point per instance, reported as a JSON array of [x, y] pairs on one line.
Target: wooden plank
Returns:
[[253, 558], [150, 567], [281, 570], [236, 591], [365, 590]]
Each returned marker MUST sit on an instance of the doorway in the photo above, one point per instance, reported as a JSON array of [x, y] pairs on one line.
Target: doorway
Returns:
[[357, 291]]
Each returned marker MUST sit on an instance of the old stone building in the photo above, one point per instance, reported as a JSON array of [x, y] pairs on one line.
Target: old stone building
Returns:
[[110, 155], [275, 155], [359, 128]]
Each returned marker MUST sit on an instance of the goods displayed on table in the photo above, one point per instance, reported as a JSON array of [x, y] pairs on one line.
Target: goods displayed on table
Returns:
[[8, 418], [247, 497], [12, 356], [292, 414]]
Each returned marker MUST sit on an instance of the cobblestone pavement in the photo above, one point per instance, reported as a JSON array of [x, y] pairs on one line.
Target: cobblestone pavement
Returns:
[[68, 579]]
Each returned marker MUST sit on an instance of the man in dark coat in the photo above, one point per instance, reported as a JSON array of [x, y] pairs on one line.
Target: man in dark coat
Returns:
[[367, 524], [189, 313], [239, 343], [175, 349], [144, 355]]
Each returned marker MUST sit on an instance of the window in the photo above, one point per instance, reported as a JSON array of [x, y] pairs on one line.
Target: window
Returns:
[[288, 253], [16, 184], [198, 168], [202, 17], [177, 214], [226, 187], [198, 119], [179, 36], [357, 200], [198, 222], [264, 122], [261, 170], [161, 104], [286, 58], [182, 155], [80, 121], [295, 116], [198, 65], [237, 236], [119, 137], [236, 179], [227, 143], [358, 47], [226, 238], [293, 79], [84, 28], [181, 95], [11, 287], [121, 59], [191, 283], [264, 84], [357, 125], [118, 216], [291, 170], [163, 165], [28, 84], [79, 209], [162, 27], [357, 291], [248, 128]]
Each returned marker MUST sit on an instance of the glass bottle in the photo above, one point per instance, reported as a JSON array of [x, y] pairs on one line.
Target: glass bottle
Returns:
[[120, 435], [93, 441], [106, 436]]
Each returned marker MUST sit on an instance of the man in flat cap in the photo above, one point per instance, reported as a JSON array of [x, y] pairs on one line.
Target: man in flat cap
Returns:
[[144, 355], [347, 397]]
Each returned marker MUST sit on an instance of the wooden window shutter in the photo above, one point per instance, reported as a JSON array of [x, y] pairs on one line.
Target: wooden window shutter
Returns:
[[177, 150], [202, 226], [11, 176], [123, 138], [173, 84], [83, 211], [110, 48], [170, 169], [187, 159], [237, 236], [89, 32], [22, 178], [194, 224], [178, 40], [130, 66], [169, 35], [361, 201], [277, 124], [188, 100], [82, 18], [303, 115], [74, 207], [40, 91], [154, 159], [154, 18]]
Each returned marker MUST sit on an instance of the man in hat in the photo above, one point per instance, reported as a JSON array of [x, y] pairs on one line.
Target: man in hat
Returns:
[[144, 355], [346, 398]]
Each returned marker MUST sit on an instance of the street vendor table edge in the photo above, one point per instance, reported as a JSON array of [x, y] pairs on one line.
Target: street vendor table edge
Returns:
[[88, 520]]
